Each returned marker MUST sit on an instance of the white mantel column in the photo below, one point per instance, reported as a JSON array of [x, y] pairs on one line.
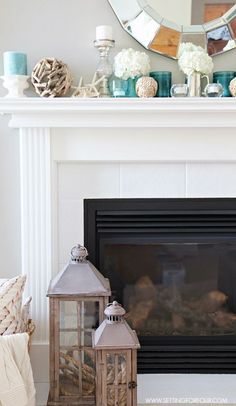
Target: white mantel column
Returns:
[[36, 231]]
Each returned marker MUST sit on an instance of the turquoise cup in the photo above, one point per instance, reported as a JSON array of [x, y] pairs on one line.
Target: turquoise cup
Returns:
[[224, 78], [164, 80]]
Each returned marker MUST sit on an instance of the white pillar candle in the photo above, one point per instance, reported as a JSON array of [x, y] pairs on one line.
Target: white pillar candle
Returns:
[[104, 32]]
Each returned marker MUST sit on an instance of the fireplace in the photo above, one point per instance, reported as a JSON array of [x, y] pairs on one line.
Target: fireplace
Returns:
[[172, 264]]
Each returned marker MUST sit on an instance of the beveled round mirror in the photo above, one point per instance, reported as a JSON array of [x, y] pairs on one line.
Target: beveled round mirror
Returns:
[[162, 25]]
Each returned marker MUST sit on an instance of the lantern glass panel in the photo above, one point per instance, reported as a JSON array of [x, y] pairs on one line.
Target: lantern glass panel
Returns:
[[68, 315], [77, 373], [122, 369], [69, 373], [76, 357], [110, 396], [68, 339], [110, 369], [116, 379], [91, 312], [122, 396]]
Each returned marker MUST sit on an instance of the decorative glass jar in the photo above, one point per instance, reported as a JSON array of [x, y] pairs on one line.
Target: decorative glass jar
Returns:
[[118, 87], [78, 296]]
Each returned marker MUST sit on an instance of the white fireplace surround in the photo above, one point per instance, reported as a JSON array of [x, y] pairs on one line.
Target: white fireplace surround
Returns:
[[72, 149]]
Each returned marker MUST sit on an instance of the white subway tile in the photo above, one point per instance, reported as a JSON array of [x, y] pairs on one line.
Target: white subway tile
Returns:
[[152, 180], [90, 180], [211, 180]]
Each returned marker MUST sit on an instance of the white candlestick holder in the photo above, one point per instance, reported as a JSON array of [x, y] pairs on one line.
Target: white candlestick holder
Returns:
[[15, 84]]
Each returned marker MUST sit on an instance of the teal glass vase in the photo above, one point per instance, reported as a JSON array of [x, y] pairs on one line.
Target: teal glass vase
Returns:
[[123, 88], [118, 87], [131, 87], [224, 78], [164, 80]]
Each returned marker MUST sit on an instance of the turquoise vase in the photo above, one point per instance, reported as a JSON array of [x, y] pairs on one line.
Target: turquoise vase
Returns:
[[224, 78], [118, 87], [131, 84], [164, 80], [123, 88]]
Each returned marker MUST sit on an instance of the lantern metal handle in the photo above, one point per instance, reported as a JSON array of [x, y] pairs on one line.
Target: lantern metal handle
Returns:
[[79, 253], [114, 312], [132, 385]]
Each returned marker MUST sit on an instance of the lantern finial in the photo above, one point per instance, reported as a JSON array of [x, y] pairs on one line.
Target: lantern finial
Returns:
[[79, 253], [114, 312]]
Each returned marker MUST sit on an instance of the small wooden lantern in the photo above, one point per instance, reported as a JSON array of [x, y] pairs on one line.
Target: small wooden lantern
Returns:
[[78, 296], [116, 347]]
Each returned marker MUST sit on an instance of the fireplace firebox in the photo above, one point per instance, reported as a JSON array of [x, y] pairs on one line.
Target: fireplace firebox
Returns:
[[172, 264]]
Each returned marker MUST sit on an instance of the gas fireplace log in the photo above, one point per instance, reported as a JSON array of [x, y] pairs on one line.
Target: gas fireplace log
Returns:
[[142, 303], [145, 289], [209, 303], [178, 322], [167, 310], [140, 313], [224, 319]]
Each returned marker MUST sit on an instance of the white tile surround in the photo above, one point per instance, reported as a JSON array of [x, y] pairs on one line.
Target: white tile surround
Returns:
[[75, 150]]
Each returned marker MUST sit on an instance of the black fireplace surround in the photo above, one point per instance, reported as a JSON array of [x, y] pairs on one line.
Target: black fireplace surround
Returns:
[[172, 264]]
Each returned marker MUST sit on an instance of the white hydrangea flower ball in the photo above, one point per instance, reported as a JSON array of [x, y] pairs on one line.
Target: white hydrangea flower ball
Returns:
[[129, 63]]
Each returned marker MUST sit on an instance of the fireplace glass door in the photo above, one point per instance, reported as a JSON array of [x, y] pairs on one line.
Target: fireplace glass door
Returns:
[[175, 289]]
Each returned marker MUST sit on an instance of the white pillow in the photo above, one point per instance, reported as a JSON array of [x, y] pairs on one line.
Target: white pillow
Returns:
[[11, 291]]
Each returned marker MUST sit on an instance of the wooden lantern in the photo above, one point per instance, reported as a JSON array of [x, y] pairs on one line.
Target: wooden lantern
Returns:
[[78, 296], [116, 347]]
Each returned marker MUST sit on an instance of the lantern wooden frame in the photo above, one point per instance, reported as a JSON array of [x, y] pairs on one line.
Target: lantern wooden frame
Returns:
[[116, 347], [72, 318]]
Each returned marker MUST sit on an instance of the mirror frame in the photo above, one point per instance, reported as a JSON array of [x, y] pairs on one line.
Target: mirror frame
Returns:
[[153, 27]]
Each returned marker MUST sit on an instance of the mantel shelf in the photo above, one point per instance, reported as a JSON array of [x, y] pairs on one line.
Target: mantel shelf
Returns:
[[123, 113]]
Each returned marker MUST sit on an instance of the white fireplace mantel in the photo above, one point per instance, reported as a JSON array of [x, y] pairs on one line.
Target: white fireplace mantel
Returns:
[[176, 134], [135, 113]]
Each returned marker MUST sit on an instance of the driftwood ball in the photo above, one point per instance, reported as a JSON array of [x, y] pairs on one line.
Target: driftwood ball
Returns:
[[51, 78], [146, 87]]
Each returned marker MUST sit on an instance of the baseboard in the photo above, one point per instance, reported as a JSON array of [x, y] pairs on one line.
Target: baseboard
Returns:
[[39, 355]]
